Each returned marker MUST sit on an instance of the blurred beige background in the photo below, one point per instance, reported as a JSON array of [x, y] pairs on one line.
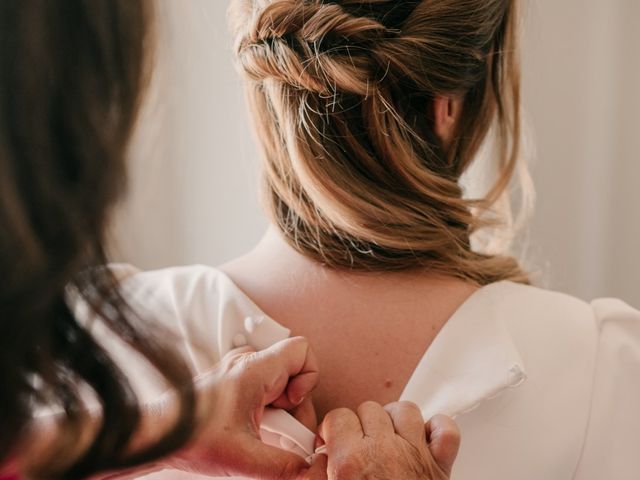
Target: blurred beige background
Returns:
[[193, 193]]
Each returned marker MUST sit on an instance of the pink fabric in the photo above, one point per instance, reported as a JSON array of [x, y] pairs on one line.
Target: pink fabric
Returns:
[[7, 470]]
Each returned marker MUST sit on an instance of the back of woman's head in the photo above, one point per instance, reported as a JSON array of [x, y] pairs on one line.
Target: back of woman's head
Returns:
[[342, 96], [71, 74]]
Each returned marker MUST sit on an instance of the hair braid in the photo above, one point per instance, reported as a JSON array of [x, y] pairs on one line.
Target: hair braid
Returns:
[[341, 93], [313, 46]]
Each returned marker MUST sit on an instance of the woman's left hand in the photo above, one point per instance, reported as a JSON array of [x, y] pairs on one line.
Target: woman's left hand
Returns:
[[241, 386]]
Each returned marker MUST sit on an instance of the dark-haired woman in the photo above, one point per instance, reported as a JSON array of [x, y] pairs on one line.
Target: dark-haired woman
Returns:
[[92, 377]]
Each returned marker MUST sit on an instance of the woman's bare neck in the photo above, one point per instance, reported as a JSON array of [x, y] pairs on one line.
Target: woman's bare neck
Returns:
[[276, 259], [382, 321]]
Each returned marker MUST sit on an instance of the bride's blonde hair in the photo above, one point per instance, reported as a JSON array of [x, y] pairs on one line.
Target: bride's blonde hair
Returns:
[[341, 94]]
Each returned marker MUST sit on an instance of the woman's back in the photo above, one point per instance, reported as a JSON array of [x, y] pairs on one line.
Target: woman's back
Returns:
[[368, 330]]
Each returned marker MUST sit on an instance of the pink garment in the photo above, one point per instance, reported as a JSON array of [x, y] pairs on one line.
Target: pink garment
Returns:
[[7, 467]]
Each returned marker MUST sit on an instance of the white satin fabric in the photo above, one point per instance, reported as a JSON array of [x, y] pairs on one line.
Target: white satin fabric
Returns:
[[544, 386]]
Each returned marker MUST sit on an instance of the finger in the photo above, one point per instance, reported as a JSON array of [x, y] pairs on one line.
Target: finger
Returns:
[[443, 437], [408, 422], [255, 380], [240, 351], [318, 470], [340, 429], [290, 372], [211, 374], [305, 413], [375, 420]]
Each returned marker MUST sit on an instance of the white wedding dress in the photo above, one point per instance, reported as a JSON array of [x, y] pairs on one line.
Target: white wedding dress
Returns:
[[543, 386]]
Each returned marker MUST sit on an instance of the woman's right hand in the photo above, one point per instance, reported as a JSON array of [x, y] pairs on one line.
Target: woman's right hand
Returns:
[[232, 397], [388, 443], [238, 389]]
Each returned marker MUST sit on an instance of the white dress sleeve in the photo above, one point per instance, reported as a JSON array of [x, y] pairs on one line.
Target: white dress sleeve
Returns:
[[187, 302], [199, 311], [612, 443], [185, 306]]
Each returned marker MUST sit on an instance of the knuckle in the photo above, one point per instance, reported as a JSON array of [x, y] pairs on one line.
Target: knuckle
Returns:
[[368, 407], [232, 361], [336, 415], [405, 410], [300, 342], [408, 406], [239, 370]]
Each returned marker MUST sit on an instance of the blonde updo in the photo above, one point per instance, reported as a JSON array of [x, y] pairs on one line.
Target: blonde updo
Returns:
[[341, 94]]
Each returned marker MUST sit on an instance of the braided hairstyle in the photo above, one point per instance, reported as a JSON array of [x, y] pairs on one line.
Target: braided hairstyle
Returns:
[[341, 94]]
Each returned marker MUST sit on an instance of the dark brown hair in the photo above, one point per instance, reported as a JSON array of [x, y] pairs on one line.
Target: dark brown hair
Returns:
[[341, 91], [71, 75]]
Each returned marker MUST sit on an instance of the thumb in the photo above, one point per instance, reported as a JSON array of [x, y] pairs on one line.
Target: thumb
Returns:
[[443, 437], [318, 470]]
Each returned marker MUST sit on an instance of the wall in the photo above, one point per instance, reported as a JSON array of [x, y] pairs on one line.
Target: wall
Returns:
[[194, 171], [581, 73], [194, 165]]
